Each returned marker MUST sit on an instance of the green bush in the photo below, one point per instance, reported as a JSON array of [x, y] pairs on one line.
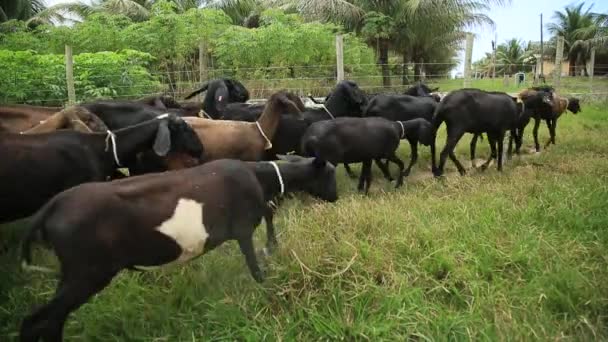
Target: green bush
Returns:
[[40, 78]]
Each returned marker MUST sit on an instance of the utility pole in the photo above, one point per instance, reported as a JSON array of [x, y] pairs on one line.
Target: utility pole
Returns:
[[542, 49], [494, 44]]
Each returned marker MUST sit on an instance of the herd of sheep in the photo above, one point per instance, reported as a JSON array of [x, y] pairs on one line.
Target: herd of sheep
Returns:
[[116, 185]]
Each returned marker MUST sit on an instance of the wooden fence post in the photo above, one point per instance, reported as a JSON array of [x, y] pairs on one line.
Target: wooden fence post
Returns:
[[340, 57], [468, 56], [202, 65], [591, 69], [69, 75], [202, 61], [559, 56]]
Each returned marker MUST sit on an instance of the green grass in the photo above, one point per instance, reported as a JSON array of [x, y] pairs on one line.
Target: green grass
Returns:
[[517, 255]]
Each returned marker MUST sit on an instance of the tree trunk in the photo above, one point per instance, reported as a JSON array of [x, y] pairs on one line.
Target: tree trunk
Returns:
[[571, 65], [383, 61]]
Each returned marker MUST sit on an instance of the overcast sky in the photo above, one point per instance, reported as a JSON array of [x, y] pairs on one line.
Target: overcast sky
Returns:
[[520, 19]]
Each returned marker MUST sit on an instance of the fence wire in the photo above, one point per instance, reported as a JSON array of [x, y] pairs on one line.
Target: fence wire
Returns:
[[315, 80]]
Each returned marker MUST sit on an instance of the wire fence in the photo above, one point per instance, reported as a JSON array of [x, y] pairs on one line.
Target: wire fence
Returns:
[[93, 83]]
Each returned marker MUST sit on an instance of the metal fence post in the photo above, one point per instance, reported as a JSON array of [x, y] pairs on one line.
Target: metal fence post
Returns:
[[69, 75], [468, 55], [340, 57]]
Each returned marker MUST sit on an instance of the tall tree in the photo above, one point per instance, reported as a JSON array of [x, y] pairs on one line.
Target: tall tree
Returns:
[[511, 56], [394, 24], [20, 9], [578, 26]]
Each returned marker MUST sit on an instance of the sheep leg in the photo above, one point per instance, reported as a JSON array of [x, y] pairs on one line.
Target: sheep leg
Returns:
[[413, 158], [492, 140], [500, 143], [551, 126], [510, 148], [519, 139], [384, 168], [368, 175], [451, 141], [271, 238], [399, 163], [554, 133], [246, 245], [364, 178], [349, 172], [535, 133], [512, 137], [48, 322], [473, 146]]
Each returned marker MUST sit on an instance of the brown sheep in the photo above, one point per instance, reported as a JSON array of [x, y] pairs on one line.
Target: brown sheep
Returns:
[[18, 118], [244, 140], [75, 117]]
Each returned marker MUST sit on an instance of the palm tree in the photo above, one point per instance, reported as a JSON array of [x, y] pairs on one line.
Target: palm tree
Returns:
[[579, 28], [511, 55], [20, 9], [401, 25]]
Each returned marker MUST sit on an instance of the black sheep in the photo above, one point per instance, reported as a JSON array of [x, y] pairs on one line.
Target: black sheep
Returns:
[[355, 140], [158, 219]]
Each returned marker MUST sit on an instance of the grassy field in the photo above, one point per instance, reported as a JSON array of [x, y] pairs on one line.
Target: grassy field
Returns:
[[517, 255]]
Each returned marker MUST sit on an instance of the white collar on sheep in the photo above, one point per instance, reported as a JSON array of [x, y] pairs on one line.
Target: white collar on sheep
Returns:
[[112, 137], [402, 130], [328, 112], [163, 116], [276, 169], [268, 142]]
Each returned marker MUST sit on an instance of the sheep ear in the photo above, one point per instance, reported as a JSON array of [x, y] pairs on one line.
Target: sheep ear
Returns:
[[162, 144], [318, 163]]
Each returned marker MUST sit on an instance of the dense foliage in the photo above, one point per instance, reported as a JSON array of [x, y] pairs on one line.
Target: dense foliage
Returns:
[[40, 78], [283, 46]]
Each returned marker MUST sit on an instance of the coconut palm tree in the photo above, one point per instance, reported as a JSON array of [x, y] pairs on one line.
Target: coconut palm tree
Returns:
[[580, 28], [399, 24], [137, 10], [512, 55], [20, 9]]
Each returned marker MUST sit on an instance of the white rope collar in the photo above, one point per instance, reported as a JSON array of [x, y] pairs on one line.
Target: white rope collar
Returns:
[[276, 169], [112, 137], [402, 129], [203, 114], [163, 116], [268, 143], [567, 104], [328, 112]]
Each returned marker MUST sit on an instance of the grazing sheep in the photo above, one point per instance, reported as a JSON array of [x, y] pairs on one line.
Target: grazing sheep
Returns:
[[560, 105], [121, 114], [155, 220], [414, 131], [237, 111], [19, 118], [75, 117], [243, 140], [355, 140], [474, 111], [346, 99], [534, 103], [220, 92], [48, 163]]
